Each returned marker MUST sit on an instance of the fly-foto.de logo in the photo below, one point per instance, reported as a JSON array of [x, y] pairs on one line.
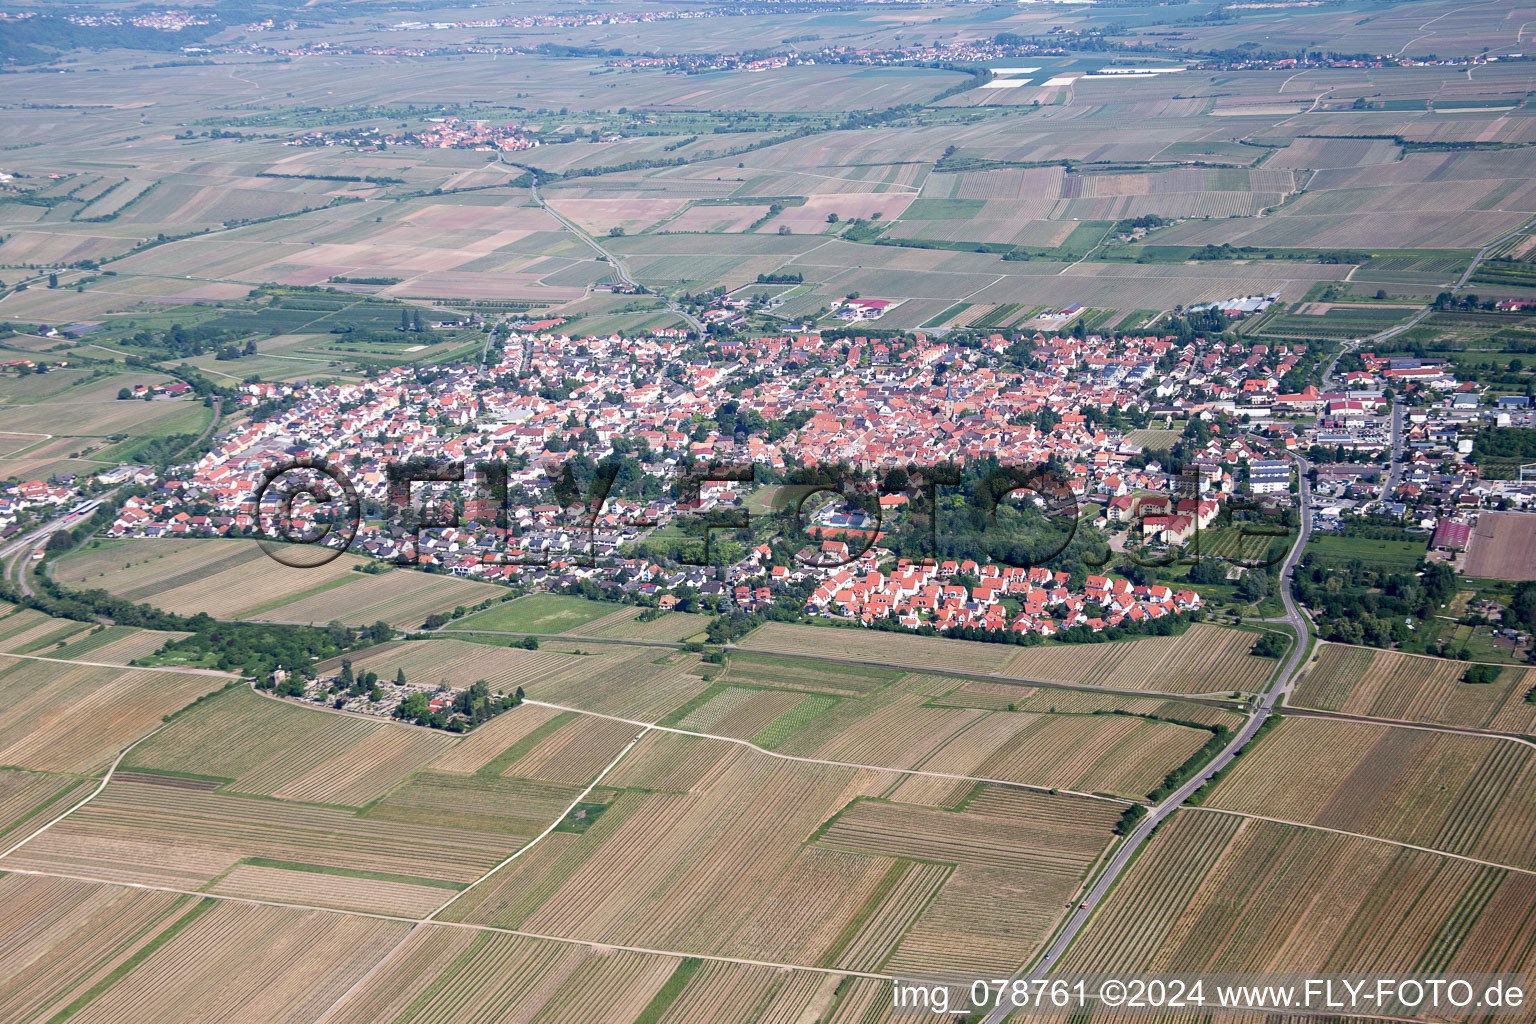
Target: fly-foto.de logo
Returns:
[[309, 510]]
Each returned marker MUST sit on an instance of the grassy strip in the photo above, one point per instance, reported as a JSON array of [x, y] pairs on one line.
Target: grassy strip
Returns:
[[1199, 796], [1196, 761], [504, 760], [665, 996], [127, 966], [877, 897], [15, 825], [372, 876], [267, 606]]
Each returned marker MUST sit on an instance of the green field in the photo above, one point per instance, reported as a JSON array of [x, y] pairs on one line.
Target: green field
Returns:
[[1392, 555], [538, 613]]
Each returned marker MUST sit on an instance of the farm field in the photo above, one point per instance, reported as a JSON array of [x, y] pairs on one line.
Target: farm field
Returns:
[[106, 953], [76, 718], [236, 579], [1468, 795], [1415, 688], [650, 869], [245, 742], [1503, 547], [1204, 659], [560, 613], [172, 831], [1214, 891]]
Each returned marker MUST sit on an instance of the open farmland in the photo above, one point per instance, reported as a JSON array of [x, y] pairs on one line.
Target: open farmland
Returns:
[[1217, 892], [1462, 794], [1414, 688], [1203, 659], [271, 963], [666, 844], [547, 613], [1009, 848], [25, 796], [1503, 546], [76, 718], [459, 664], [878, 648], [236, 579], [167, 830], [661, 238], [254, 744]]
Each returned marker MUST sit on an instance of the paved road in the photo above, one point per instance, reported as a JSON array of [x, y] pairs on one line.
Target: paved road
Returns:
[[1395, 467], [17, 552]]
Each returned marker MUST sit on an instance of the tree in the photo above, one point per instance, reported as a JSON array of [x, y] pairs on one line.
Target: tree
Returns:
[[405, 319], [53, 280], [1480, 674], [529, 643], [61, 540], [434, 621], [832, 218], [124, 394], [416, 323], [1254, 585], [399, 677], [1269, 645], [415, 706]]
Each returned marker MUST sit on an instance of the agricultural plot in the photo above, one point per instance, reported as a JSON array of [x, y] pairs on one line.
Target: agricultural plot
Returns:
[[236, 579], [789, 673], [29, 799], [1503, 547], [25, 630], [538, 613], [885, 648], [1113, 754], [1467, 795], [64, 938], [177, 832], [632, 624], [247, 743], [1022, 851], [486, 802], [442, 975], [1414, 688], [1203, 659], [652, 870], [611, 679], [1214, 891], [369, 895], [458, 664], [263, 963], [76, 718]]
